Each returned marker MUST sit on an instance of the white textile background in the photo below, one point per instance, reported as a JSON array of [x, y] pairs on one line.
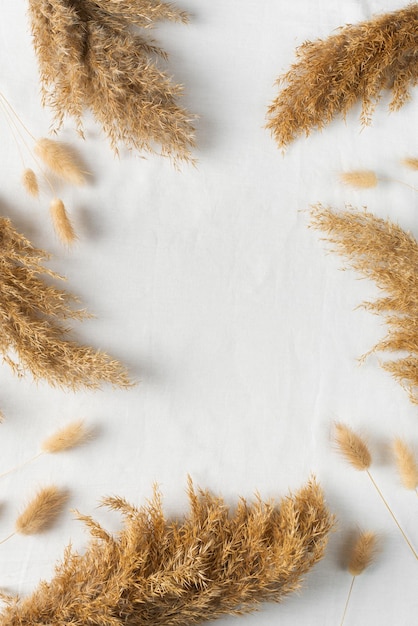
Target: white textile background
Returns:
[[241, 331]]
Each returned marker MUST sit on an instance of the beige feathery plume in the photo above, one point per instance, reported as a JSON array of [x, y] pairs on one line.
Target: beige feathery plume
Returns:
[[62, 223], [352, 447], [355, 450], [61, 160], [74, 434], [411, 163], [361, 179], [355, 64], [406, 464], [210, 563], [361, 556], [41, 512], [30, 182]]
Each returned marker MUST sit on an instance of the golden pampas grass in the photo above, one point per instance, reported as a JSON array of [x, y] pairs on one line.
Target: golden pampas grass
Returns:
[[30, 182], [60, 159], [32, 311], [41, 512], [360, 179], [70, 436], [383, 252], [353, 447], [406, 464], [62, 223], [90, 57], [159, 572], [355, 64], [361, 556]]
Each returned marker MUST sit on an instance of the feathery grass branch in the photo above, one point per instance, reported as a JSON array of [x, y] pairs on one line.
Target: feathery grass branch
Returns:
[[355, 450], [90, 57], [159, 572], [32, 312], [381, 251], [355, 64], [406, 464]]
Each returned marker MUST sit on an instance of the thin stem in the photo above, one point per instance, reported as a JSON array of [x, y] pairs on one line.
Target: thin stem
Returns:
[[12, 130], [7, 538], [392, 514], [16, 115], [396, 180], [348, 600], [16, 467]]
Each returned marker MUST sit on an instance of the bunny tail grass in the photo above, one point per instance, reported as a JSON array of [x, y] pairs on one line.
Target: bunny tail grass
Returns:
[[406, 464], [352, 447], [355, 64], [74, 434], [32, 312], [159, 572], [60, 159], [42, 511], [62, 223], [381, 251], [90, 57]]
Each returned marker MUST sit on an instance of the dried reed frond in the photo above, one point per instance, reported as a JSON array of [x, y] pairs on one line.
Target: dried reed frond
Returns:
[[382, 251], [40, 513], [166, 572], [361, 179], [361, 556], [31, 315], [61, 159], [90, 57], [30, 182], [406, 464], [411, 163], [62, 223], [74, 434], [355, 64], [353, 447]]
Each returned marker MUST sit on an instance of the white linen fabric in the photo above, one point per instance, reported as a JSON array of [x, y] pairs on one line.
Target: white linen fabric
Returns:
[[240, 330]]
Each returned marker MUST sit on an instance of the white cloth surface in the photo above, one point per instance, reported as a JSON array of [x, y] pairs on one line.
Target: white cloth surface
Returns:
[[240, 329]]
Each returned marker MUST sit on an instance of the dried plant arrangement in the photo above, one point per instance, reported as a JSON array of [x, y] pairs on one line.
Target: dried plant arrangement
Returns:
[[406, 463], [355, 64], [167, 572], [355, 450], [90, 57], [74, 434], [383, 252], [40, 513], [361, 555], [32, 312]]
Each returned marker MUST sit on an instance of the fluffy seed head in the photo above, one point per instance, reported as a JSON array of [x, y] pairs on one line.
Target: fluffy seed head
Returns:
[[60, 159], [360, 179], [411, 163], [406, 464], [30, 182], [62, 223], [362, 553], [41, 511], [72, 435], [353, 448]]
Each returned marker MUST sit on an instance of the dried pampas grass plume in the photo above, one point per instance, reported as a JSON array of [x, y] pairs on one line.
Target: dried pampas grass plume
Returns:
[[62, 223], [90, 57], [61, 160], [41, 512], [382, 251], [406, 464], [361, 556], [32, 312], [354, 449], [411, 163], [74, 434], [361, 179], [355, 64], [30, 182], [159, 572]]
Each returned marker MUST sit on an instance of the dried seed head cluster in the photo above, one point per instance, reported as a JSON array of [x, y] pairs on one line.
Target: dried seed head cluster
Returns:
[[382, 251], [41, 511], [171, 573], [406, 464], [362, 553], [356, 63], [353, 447], [90, 57], [31, 315]]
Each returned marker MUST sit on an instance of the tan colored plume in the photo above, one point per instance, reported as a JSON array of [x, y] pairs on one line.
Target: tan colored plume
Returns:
[[411, 163], [61, 160], [30, 182], [353, 447], [74, 434], [362, 553], [406, 464], [360, 179], [62, 223]]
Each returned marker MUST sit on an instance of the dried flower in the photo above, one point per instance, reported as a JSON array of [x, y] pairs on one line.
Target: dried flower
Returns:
[[61, 159], [353, 447], [30, 182], [62, 223], [31, 315], [406, 463], [90, 57], [357, 63], [382, 251], [159, 572], [411, 163], [361, 179]]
